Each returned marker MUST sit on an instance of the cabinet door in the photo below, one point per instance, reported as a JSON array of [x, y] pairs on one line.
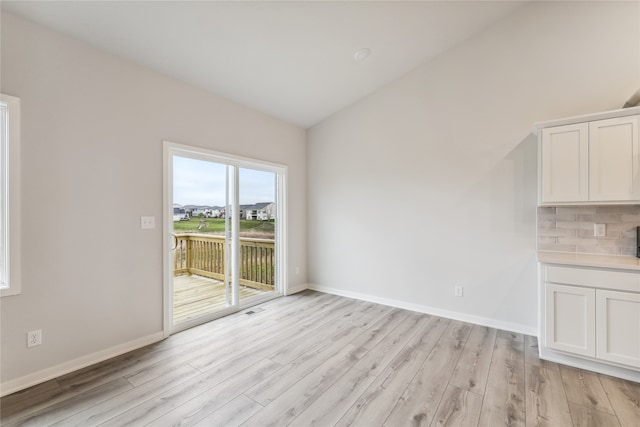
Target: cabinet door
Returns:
[[570, 319], [618, 327], [565, 163], [614, 160]]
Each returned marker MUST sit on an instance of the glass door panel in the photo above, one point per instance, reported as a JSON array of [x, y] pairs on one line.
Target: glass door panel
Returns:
[[257, 234], [201, 237]]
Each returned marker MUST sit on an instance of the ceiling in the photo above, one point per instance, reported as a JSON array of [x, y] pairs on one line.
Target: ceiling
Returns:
[[291, 59]]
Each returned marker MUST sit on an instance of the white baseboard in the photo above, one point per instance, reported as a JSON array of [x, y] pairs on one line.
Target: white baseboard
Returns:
[[295, 289], [47, 374], [464, 317]]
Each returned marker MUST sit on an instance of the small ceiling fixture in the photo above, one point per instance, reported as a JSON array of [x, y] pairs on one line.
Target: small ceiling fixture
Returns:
[[362, 54]]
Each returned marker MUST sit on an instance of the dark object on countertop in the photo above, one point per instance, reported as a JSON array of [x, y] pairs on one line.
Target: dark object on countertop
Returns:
[[638, 241], [634, 101]]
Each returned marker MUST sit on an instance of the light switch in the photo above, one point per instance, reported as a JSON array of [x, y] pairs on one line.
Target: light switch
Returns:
[[147, 222]]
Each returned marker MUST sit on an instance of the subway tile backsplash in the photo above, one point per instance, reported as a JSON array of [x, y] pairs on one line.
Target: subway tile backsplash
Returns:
[[570, 229]]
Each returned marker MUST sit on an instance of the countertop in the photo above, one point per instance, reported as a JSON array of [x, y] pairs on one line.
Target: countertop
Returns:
[[583, 260]]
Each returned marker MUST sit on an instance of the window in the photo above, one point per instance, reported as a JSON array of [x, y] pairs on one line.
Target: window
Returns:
[[9, 195]]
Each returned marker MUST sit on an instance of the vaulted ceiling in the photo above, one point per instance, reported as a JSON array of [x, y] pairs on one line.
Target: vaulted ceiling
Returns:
[[291, 59]]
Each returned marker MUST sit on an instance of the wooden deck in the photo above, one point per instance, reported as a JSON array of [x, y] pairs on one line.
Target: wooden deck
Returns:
[[195, 296]]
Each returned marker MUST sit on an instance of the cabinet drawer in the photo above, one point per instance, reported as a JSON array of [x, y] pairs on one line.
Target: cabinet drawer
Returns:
[[595, 278]]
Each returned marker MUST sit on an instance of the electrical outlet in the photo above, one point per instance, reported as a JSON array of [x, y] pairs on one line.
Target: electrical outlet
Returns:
[[34, 338], [459, 291], [599, 230]]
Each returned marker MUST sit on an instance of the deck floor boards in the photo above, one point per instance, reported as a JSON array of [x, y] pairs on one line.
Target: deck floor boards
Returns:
[[195, 296], [318, 359]]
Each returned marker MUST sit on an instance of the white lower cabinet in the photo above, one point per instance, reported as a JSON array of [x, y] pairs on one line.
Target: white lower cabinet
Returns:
[[592, 313], [618, 327], [571, 319]]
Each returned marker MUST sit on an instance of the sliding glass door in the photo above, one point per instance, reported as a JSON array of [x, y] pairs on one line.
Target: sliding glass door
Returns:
[[224, 234]]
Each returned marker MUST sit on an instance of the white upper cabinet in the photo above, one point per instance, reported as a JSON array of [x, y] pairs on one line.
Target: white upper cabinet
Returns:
[[587, 161], [565, 163], [614, 160]]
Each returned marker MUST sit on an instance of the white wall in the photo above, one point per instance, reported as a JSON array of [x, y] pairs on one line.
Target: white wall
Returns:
[[92, 131], [431, 181]]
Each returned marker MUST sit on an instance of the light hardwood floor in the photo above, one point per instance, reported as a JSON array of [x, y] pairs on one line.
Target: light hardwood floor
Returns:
[[319, 360]]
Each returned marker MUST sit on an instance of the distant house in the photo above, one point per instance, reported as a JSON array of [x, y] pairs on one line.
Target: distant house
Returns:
[[269, 211], [258, 211], [194, 211], [200, 210], [178, 213]]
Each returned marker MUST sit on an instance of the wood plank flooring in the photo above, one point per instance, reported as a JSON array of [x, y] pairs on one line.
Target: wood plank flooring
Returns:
[[314, 359], [195, 296]]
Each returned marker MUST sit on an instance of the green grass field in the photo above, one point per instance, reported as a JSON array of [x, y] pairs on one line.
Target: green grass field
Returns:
[[216, 225]]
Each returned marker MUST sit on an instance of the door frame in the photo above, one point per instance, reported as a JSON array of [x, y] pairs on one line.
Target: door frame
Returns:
[[281, 281]]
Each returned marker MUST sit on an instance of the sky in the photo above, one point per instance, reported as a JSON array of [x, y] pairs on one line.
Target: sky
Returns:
[[197, 182]]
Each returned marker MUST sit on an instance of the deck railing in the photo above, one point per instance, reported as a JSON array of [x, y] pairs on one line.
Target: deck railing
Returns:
[[204, 255]]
